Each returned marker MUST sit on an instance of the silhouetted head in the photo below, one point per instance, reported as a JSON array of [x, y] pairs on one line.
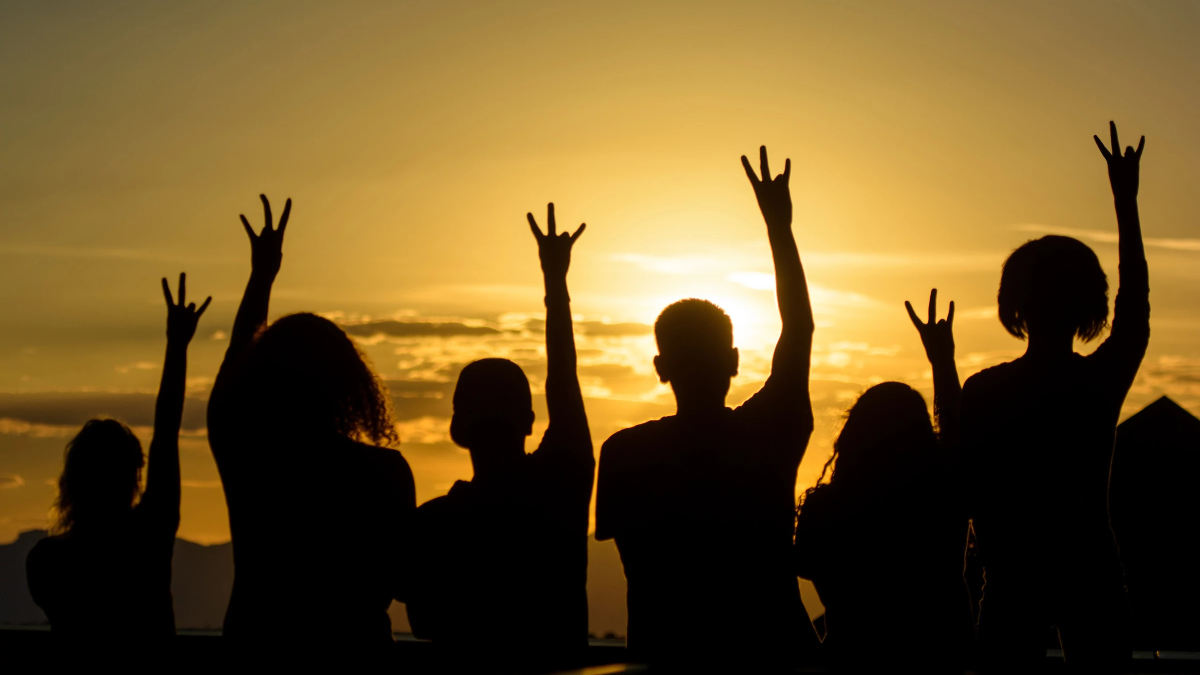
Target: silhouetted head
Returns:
[[887, 438], [101, 478], [1053, 285], [493, 407], [304, 376], [695, 349]]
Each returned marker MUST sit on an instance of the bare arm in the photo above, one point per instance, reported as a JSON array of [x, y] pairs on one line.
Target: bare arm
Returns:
[[1131, 313], [793, 353], [564, 400], [162, 473], [266, 255], [938, 339]]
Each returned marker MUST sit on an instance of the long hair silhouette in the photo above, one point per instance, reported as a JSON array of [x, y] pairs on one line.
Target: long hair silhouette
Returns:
[[887, 437], [305, 375], [102, 475]]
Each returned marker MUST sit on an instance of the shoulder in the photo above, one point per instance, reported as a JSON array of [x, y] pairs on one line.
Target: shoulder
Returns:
[[990, 378], [636, 440], [44, 553], [384, 459]]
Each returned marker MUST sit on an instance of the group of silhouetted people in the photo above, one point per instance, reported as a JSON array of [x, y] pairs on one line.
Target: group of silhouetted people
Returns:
[[701, 504]]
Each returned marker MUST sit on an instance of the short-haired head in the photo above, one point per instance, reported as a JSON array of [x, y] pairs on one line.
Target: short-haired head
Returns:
[[695, 348], [304, 375], [1053, 284], [492, 401], [101, 478]]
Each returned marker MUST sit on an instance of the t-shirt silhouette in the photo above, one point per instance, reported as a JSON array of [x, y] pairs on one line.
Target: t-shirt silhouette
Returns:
[[499, 566], [703, 513], [317, 523], [109, 584], [890, 571]]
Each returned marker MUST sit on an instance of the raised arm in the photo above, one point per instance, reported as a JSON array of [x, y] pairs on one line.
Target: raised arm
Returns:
[[161, 498], [1131, 311], [938, 339], [564, 400], [266, 254], [793, 353]]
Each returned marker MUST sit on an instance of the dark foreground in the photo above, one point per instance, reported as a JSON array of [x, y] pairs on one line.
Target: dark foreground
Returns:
[[204, 651]]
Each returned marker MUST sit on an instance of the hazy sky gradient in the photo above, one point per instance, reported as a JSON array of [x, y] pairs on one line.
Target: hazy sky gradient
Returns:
[[927, 140]]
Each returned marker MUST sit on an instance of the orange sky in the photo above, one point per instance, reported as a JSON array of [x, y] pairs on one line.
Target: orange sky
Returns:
[[927, 141]]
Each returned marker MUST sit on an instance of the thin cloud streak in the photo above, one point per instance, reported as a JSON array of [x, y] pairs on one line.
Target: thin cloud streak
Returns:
[[1107, 237]]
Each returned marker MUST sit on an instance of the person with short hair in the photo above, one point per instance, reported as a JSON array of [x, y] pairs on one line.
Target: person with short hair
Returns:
[[499, 573], [104, 575], [701, 503], [1038, 435]]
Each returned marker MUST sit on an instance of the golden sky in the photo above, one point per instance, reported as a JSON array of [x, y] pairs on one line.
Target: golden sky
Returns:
[[927, 140]]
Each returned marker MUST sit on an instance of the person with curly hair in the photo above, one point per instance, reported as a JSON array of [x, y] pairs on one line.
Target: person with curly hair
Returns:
[[299, 426]]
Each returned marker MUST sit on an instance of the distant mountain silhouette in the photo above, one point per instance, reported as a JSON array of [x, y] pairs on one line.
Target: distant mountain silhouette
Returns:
[[1155, 509], [203, 577], [201, 580]]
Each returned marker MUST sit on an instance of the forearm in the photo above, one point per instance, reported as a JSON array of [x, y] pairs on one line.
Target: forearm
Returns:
[[795, 308], [252, 312], [162, 471], [947, 404], [1132, 252], [564, 398]]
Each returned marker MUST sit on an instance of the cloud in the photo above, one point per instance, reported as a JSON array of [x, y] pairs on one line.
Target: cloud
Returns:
[[44, 251], [424, 431], [10, 480], [1110, 237], [601, 329], [72, 409], [202, 484], [409, 329]]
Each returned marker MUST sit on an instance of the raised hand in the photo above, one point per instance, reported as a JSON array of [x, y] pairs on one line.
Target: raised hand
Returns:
[[1123, 170], [937, 336], [181, 318], [554, 248], [266, 248], [774, 197]]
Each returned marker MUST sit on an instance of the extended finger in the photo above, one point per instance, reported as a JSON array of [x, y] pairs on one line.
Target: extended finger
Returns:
[[283, 219], [537, 231], [933, 306], [551, 227], [249, 230], [912, 314], [749, 172], [203, 307], [266, 211], [1141, 144], [763, 165], [950, 315], [182, 287], [1103, 150], [582, 227], [167, 293], [787, 170], [1116, 142]]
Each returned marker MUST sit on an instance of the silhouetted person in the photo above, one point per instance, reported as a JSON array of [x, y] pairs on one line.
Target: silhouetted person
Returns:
[[883, 540], [104, 576], [317, 514], [1038, 438], [501, 561], [702, 503]]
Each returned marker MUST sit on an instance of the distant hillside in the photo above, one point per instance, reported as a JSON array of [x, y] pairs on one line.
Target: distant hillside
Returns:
[[202, 580]]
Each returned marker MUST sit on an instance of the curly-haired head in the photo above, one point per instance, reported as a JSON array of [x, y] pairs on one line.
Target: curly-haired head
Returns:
[[887, 437], [305, 375], [102, 475], [1054, 282]]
